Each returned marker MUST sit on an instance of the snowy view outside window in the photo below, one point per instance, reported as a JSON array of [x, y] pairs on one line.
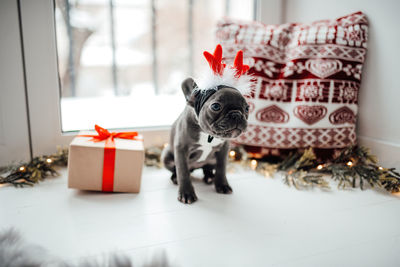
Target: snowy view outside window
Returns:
[[121, 62]]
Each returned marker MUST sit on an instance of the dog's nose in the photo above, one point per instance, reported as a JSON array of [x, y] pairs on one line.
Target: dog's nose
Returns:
[[235, 115]]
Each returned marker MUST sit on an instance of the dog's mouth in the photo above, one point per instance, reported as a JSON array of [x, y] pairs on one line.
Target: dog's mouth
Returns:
[[229, 134], [228, 128]]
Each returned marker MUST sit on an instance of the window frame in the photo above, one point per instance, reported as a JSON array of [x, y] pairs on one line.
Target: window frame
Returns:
[[14, 124]]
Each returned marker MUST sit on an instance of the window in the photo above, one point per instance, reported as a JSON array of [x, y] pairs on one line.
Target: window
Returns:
[[121, 62], [38, 59]]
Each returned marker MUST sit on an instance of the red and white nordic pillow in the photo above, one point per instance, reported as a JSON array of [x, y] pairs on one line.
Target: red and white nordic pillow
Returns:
[[307, 78]]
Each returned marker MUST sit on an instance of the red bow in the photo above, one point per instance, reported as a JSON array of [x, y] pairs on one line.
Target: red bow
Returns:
[[104, 134], [109, 152]]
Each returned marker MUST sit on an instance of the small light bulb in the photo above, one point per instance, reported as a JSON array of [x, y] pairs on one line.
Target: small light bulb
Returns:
[[49, 160], [380, 168], [232, 153], [22, 168], [253, 164], [319, 167], [349, 163]]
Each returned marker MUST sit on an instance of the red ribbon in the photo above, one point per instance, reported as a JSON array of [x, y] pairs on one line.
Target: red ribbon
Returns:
[[109, 152]]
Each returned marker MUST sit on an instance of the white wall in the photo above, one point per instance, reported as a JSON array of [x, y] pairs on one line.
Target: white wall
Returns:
[[379, 96], [14, 137]]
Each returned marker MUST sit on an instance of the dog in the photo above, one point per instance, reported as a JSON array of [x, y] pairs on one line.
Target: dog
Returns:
[[200, 136]]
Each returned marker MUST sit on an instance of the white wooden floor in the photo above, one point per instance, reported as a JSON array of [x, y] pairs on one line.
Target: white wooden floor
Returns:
[[263, 223]]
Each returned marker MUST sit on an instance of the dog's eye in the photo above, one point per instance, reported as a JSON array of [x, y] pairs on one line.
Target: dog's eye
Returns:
[[216, 107], [247, 108]]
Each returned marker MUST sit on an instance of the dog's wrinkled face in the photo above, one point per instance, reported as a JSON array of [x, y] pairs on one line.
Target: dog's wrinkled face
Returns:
[[224, 114]]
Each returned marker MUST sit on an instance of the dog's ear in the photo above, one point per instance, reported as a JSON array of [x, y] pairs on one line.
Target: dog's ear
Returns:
[[188, 86]]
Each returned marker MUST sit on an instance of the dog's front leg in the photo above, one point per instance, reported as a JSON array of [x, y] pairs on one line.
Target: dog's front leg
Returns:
[[186, 191], [220, 181]]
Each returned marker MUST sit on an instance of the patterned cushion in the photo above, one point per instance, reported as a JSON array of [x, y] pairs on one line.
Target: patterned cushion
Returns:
[[307, 78]]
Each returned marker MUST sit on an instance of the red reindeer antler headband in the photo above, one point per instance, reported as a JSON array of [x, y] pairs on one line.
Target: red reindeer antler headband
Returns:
[[233, 76], [215, 62], [238, 64]]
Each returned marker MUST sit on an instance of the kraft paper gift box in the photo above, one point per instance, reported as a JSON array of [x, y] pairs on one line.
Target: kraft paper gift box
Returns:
[[106, 163]]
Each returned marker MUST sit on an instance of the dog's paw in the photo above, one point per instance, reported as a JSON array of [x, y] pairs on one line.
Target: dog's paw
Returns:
[[208, 174], [187, 197], [223, 189], [174, 179], [208, 179]]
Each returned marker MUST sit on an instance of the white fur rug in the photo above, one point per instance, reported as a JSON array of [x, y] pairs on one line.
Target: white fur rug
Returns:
[[16, 252]]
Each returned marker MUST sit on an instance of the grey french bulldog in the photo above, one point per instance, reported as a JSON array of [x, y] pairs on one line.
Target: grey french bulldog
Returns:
[[200, 136]]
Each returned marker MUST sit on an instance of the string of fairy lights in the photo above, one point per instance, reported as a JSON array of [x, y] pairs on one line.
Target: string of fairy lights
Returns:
[[47, 160], [353, 167], [253, 162]]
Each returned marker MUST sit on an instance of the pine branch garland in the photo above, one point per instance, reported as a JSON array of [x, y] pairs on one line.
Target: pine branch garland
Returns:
[[38, 169], [353, 167]]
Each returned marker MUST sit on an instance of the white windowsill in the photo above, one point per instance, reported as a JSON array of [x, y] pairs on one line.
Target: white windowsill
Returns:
[[120, 112]]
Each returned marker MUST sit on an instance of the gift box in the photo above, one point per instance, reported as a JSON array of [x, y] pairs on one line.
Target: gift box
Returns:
[[104, 161]]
